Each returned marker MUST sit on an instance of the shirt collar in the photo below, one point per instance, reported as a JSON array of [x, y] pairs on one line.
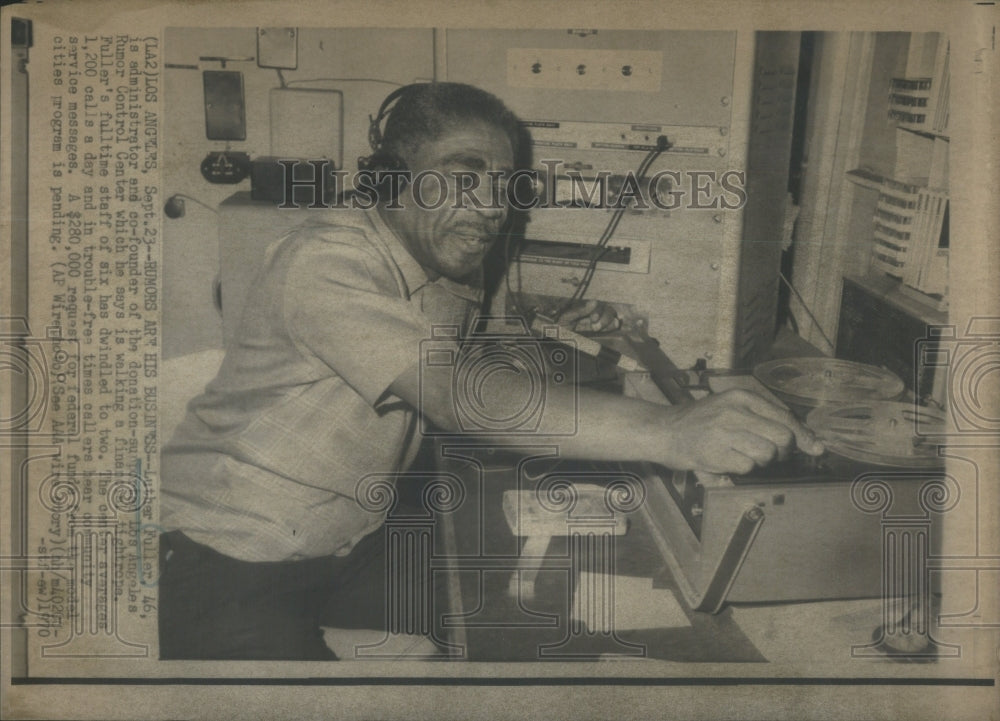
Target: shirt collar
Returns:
[[469, 291], [413, 273]]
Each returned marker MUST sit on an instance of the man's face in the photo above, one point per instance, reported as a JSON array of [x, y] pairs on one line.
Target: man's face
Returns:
[[448, 240]]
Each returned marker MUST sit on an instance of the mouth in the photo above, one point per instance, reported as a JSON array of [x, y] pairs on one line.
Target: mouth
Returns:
[[472, 244]]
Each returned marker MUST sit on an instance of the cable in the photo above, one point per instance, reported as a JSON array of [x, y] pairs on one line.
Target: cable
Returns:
[[345, 80], [173, 198], [510, 263], [809, 312], [662, 144], [612, 226], [281, 78]]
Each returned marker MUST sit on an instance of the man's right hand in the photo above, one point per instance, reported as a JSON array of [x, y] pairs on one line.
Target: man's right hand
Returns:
[[732, 432]]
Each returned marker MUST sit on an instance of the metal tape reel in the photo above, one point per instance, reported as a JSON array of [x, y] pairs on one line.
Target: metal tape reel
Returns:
[[815, 381], [881, 432]]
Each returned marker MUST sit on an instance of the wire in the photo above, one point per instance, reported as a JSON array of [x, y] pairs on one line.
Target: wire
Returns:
[[345, 80], [281, 78], [809, 312], [609, 232], [662, 143], [195, 200], [510, 263]]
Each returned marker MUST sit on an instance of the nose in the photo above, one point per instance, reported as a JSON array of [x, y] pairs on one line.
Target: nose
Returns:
[[495, 209], [494, 213]]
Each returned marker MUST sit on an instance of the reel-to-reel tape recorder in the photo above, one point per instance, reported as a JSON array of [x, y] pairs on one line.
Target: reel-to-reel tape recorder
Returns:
[[801, 528]]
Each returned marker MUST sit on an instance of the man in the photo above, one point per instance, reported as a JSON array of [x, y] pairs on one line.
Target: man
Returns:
[[323, 386]]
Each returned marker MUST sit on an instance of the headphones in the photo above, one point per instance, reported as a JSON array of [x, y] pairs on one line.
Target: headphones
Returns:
[[381, 158], [384, 159]]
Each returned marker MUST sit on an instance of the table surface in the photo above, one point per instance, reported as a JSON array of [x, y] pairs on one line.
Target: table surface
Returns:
[[491, 624]]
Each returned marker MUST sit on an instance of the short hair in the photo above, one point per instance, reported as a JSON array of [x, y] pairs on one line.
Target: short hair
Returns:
[[426, 111]]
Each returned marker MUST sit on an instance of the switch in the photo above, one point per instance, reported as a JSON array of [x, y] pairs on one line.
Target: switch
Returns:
[[590, 69]]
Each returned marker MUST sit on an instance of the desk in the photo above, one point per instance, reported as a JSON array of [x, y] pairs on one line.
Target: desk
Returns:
[[494, 625], [490, 624], [468, 548]]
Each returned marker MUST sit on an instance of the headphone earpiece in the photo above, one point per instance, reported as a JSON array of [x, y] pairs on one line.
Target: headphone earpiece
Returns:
[[382, 161], [375, 137], [375, 132], [380, 158]]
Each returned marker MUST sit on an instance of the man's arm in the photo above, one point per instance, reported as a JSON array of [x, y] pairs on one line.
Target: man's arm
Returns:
[[729, 432], [726, 433]]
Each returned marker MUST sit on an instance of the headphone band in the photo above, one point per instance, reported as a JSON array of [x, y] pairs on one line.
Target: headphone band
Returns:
[[375, 136]]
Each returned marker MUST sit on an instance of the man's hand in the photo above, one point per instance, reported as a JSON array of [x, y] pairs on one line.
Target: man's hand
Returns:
[[590, 317], [732, 432]]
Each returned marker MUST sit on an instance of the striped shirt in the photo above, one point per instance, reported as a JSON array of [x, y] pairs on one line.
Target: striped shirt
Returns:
[[265, 464]]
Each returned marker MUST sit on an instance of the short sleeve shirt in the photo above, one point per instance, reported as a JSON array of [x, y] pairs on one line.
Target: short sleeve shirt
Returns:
[[266, 463]]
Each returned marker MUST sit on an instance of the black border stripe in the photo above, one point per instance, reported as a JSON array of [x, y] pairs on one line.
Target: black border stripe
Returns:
[[504, 681]]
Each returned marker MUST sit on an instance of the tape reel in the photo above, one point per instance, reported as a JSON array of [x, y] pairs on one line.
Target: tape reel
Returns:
[[815, 381], [880, 432]]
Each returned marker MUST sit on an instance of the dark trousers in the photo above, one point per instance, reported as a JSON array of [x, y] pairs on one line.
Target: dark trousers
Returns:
[[213, 606]]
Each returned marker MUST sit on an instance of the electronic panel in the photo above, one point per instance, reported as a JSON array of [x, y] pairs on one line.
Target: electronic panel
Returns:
[[642, 171], [866, 313]]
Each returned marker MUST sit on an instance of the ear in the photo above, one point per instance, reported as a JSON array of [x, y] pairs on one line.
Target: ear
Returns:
[[379, 162]]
